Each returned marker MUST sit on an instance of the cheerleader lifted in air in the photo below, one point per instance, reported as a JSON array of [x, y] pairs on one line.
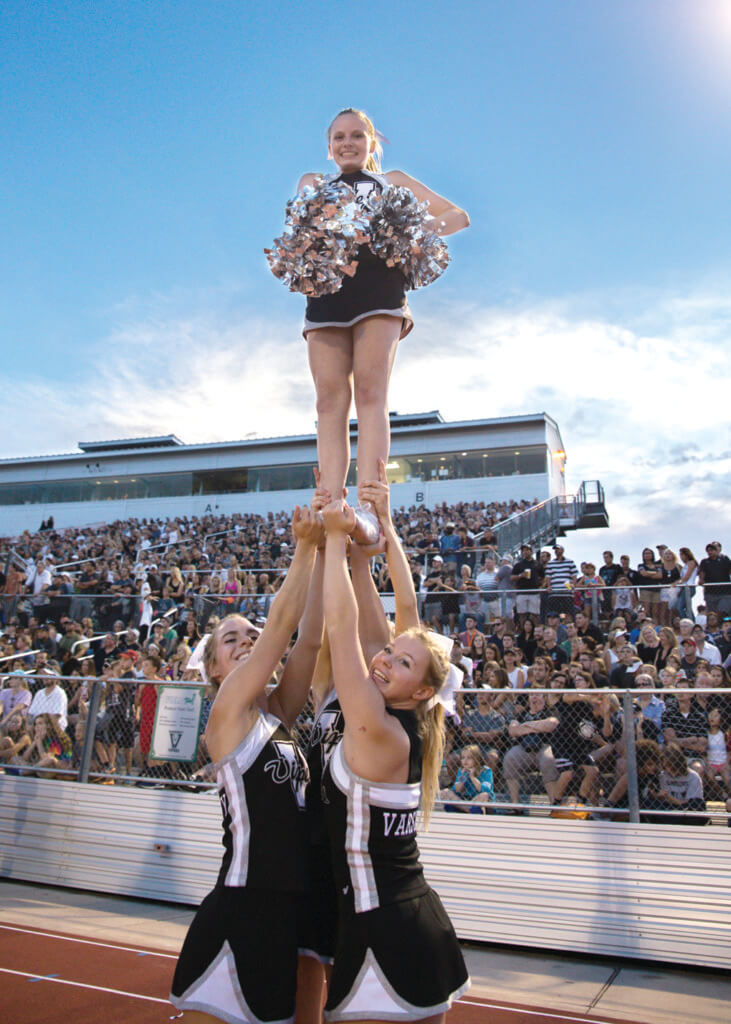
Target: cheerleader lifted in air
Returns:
[[352, 334]]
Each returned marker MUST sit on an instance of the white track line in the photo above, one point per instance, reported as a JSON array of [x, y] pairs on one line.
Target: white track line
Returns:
[[535, 1013], [87, 942], [171, 956], [81, 984]]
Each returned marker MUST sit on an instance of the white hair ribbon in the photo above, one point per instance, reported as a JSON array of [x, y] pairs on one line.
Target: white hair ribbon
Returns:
[[195, 661], [445, 696]]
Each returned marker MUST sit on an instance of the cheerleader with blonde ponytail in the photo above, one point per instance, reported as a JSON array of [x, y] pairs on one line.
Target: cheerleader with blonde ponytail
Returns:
[[352, 334], [372, 788]]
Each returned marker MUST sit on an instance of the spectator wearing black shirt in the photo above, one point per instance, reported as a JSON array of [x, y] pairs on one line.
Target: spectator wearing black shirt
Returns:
[[87, 582], [527, 642], [715, 569], [585, 627], [498, 633], [648, 575], [105, 653], [689, 661], [572, 741], [530, 732], [723, 641], [527, 578], [610, 573], [623, 674], [684, 723], [551, 650]]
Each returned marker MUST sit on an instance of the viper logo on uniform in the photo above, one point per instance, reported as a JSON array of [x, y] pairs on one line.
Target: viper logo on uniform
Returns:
[[327, 733], [363, 190], [289, 766]]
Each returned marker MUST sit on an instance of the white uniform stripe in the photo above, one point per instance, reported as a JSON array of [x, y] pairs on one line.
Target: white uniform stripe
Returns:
[[361, 795], [238, 871], [231, 770], [402, 795], [361, 866]]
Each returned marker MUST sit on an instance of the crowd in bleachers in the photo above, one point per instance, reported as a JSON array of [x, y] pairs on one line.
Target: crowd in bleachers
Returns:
[[130, 601]]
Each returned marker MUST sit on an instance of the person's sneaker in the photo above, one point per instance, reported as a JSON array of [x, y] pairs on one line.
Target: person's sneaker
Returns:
[[367, 530]]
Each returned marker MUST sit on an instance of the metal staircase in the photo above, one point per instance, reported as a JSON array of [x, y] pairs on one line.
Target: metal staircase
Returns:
[[541, 524]]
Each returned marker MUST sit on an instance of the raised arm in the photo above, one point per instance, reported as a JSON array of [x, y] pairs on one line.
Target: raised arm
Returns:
[[374, 740], [234, 709], [305, 180], [407, 606], [288, 699], [449, 218], [373, 629]]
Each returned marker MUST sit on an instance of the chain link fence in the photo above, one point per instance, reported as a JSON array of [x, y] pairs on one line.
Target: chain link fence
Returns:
[[639, 754]]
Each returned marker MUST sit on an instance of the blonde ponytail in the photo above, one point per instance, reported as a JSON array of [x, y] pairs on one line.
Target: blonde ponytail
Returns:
[[431, 720], [432, 738]]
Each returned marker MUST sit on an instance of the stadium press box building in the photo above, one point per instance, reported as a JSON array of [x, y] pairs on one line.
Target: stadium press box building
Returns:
[[431, 461]]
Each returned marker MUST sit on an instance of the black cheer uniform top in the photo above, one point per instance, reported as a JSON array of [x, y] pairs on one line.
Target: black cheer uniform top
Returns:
[[372, 828], [327, 731], [374, 289], [262, 790]]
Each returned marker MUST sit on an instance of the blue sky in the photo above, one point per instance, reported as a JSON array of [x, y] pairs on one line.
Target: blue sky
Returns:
[[147, 151]]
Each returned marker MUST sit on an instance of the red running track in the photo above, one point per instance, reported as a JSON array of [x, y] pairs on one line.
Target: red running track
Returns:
[[47, 977]]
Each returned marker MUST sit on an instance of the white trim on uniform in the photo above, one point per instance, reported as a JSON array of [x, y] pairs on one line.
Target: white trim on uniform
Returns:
[[360, 796], [217, 991], [373, 997], [230, 772]]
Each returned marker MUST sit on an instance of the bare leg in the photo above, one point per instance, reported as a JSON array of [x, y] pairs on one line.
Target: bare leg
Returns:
[[331, 364], [589, 784], [310, 990], [374, 349], [561, 786]]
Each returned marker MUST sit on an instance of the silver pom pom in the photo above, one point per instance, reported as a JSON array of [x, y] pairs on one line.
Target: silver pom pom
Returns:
[[401, 236], [324, 227]]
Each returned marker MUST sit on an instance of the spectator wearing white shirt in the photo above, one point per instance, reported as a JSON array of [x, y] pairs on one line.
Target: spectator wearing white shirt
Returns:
[[42, 580], [561, 575], [704, 646], [487, 581], [51, 700]]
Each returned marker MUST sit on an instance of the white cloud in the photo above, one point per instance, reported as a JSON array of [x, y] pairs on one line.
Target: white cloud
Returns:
[[641, 400]]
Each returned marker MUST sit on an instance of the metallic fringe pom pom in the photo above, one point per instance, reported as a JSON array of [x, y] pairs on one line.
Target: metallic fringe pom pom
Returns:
[[400, 235], [324, 226]]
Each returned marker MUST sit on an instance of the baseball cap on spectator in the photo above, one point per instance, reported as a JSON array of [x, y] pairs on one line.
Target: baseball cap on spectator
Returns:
[[132, 655], [689, 640], [437, 558]]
